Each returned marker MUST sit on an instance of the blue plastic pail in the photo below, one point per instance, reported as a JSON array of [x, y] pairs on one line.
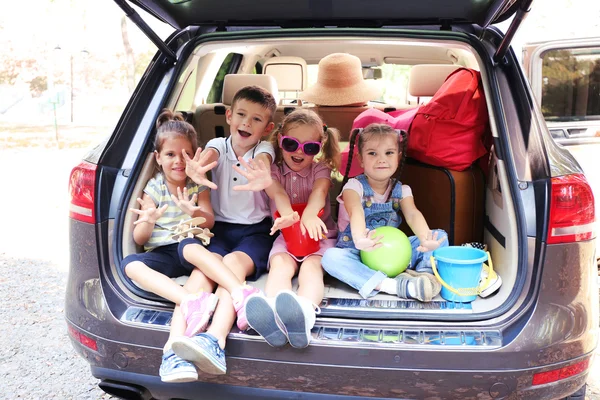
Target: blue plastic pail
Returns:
[[459, 270]]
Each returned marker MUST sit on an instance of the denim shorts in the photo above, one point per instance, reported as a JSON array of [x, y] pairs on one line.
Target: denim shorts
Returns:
[[168, 260], [253, 240]]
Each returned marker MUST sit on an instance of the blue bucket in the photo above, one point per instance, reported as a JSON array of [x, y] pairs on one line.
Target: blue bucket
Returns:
[[458, 269]]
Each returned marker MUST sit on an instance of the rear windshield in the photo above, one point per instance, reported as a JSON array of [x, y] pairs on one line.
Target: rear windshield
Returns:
[[391, 78], [571, 84]]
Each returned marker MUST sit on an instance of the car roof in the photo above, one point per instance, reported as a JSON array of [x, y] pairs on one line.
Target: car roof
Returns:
[[311, 13]]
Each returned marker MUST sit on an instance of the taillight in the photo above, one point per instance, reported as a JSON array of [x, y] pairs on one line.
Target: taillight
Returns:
[[82, 338], [572, 213], [542, 378], [82, 185]]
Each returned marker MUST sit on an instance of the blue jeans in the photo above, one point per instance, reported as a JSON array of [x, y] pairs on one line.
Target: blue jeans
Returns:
[[345, 265]]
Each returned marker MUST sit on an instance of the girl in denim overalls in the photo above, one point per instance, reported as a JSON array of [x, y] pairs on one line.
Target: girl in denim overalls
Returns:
[[375, 199]]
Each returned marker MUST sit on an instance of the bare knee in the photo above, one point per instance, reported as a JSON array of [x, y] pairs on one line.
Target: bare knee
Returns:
[[311, 269], [283, 267], [240, 264], [189, 250], [134, 269]]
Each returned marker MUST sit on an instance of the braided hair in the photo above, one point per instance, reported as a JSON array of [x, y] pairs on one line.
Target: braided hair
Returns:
[[376, 130]]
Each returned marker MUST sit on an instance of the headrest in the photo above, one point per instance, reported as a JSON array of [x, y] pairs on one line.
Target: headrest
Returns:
[[290, 73], [234, 82], [426, 79]]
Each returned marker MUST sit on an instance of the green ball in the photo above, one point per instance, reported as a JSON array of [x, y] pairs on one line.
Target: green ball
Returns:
[[393, 257]]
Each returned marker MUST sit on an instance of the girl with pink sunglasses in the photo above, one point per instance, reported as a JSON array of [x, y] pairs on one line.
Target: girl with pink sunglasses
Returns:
[[306, 152]]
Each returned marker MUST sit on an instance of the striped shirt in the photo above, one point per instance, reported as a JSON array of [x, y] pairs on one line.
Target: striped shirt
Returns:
[[158, 191]]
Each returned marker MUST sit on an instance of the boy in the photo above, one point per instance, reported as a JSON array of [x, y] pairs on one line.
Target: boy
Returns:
[[241, 245]]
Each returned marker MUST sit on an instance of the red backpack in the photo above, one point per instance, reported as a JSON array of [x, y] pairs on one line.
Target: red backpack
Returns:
[[452, 129]]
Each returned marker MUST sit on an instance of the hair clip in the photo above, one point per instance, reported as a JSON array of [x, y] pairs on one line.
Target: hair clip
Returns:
[[325, 128]]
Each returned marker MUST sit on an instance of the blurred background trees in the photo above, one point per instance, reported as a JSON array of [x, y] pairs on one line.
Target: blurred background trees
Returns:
[[82, 57]]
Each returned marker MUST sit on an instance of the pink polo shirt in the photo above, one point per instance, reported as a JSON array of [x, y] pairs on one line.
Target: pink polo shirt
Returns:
[[298, 186]]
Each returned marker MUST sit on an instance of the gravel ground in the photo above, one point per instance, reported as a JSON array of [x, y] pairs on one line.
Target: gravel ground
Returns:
[[37, 360]]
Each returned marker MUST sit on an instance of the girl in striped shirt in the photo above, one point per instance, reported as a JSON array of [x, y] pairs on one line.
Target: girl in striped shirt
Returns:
[[169, 198], [298, 177]]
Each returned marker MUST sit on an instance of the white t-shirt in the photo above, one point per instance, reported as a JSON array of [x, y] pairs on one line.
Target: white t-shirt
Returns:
[[238, 207], [354, 184]]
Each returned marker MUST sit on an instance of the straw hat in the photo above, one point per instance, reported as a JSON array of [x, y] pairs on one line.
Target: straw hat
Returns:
[[340, 82]]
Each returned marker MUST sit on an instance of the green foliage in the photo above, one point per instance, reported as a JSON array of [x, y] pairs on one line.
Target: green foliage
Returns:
[[216, 91], [571, 83], [38, 85]]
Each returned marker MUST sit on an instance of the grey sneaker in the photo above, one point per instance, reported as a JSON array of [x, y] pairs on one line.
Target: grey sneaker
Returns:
[[436, 286], [204, 351], [422, 285], [175, 369], [260, 312], [297, 315]]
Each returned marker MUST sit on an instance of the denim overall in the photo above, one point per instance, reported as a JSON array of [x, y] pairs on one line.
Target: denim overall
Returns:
[[343, 261], [376, 214]]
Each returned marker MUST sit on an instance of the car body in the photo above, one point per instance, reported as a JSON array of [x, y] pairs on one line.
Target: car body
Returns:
[[577, 127], [533, 339]]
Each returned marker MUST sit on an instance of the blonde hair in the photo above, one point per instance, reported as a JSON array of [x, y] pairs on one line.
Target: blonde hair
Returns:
[[330, 148]]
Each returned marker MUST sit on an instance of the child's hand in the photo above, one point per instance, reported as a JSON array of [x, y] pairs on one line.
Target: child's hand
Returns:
[[196, 170], [314, 225], [148, 212], [430, 243], [285, 222], [186, 204], [368, 242], [257, 173]]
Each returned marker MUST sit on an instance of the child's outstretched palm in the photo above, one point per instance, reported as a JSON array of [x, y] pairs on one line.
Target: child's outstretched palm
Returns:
[[148, 212], [430, 243], [257, 173], [368, 242], [314, 225], [186, 204], [285, 222], [196, 170]]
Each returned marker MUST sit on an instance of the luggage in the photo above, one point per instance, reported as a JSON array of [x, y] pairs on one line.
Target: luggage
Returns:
[[449, 200], [452, 129]]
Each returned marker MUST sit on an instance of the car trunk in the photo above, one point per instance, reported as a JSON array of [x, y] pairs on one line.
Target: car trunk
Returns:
[[472, 205]]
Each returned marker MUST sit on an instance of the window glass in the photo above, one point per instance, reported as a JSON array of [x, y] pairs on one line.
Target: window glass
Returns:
[[394, 82], [216, 91], [186, 98], [571, 84]]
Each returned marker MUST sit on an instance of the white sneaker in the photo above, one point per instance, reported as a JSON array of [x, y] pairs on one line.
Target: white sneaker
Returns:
[[493, 284], [260, 311], [297, 315]]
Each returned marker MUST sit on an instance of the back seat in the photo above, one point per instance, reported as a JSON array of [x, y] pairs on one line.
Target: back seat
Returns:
[[291, 75], [209, 119], [425, 79]]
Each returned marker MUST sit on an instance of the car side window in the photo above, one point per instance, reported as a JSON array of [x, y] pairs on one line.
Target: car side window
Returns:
[[229, 66], [570, 84]]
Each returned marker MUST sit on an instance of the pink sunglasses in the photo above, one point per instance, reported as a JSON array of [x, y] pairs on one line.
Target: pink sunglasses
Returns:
[[290, 144]]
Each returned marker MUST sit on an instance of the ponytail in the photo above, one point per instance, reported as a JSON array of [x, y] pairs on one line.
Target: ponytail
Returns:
[[330, 148]]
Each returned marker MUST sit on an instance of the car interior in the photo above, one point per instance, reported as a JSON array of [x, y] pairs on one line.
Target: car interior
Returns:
[[471, 206]]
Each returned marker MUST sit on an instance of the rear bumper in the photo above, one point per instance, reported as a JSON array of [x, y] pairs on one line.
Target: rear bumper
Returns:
[[264, 379], [406, 385]]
